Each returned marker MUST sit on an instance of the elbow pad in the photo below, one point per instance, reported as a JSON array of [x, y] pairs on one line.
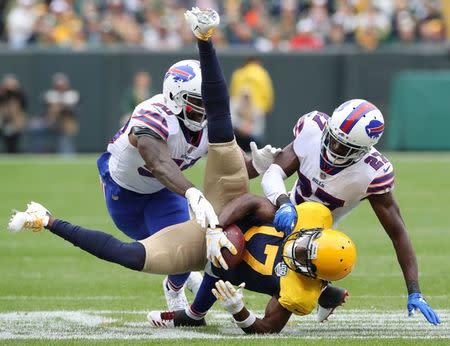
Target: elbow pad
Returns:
[[139, 131], [273, 183]]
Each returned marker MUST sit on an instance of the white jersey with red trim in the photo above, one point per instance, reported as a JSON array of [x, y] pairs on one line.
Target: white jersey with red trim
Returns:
[[126, 166], [340, 189]]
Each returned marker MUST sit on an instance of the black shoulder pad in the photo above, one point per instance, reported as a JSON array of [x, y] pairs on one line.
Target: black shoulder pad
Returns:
[[145, 131]]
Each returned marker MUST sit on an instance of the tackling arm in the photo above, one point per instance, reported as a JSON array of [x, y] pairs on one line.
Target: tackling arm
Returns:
[[388, 213], [244, 205], [158, 161], [285, 164]]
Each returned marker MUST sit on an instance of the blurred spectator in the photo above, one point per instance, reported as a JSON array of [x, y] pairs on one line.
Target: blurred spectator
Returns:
[[21, 22], [373, 26], [12, 112], [431, 24], [59, 117], [251, 92], [403, 22], [336, 36], [344, 19], [248, 120], [140, 91], [121, 23], [306, 38]]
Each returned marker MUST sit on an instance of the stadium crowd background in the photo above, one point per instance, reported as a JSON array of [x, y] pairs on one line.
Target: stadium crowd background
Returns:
[[252, 26], [266, 25]]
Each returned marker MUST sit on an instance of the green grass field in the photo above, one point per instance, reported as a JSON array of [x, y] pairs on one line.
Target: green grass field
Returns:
[[51, 292]]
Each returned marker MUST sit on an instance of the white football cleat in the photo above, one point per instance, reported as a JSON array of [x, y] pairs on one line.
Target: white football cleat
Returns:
[[330, 298], [202, 22], [176, 300], [35, 217], [161, 319], [193, 282]]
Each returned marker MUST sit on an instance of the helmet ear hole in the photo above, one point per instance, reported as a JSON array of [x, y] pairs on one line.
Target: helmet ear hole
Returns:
[[171, 96]]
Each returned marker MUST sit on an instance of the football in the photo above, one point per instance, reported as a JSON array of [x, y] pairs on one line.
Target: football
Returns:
[[234, 234]]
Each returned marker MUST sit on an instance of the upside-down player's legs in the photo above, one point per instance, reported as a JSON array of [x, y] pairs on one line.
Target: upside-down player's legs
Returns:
[[171, 251], [225, 175]]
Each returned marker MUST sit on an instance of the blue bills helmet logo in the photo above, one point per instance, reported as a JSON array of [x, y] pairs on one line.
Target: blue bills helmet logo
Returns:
[[182, 73], [375, 128]]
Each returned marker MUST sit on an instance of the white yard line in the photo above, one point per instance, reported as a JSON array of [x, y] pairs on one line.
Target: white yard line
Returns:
[[122, 325]]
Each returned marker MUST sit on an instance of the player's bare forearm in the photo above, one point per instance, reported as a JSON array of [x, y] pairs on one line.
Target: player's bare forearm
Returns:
[[251, 171], [244, 205], [157, 159], [274, 320], [388, 212]]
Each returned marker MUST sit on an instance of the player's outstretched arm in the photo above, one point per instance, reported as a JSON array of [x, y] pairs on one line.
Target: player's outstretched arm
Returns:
[[231, 299], [388, 213], [158, 161], [260, 159], [286, 163]]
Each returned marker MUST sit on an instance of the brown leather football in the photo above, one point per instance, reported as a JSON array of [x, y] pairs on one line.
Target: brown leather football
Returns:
[[235, 235]]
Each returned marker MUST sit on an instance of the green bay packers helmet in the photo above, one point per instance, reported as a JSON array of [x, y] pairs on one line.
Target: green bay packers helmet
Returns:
[[325, 254]]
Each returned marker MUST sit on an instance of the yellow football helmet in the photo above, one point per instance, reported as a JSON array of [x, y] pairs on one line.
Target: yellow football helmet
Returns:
[[326, 254], [313, 215]]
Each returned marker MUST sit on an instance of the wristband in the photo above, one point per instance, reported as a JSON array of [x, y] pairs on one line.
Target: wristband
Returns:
[[247, 322]]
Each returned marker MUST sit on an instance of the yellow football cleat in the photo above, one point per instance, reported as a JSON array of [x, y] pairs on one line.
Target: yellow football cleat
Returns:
[[202, 22], [34, 218]]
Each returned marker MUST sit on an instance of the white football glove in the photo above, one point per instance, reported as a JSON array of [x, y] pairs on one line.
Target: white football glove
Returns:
[[215, 240], [203, 210], [230, 298], [202, 22], [263, 158]]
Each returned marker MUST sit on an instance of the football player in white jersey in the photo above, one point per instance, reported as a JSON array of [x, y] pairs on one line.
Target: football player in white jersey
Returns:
[[338, 165], [141, 171]]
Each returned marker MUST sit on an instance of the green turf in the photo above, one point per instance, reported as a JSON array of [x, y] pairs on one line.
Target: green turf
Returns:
[[42, 272]]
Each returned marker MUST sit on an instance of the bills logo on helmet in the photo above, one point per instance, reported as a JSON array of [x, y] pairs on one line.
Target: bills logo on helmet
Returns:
[[183, 73], [375, 128]]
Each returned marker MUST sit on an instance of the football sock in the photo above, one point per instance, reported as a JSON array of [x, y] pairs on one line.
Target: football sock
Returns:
[[215, 95], [204, 299], [176, 282], [102, 245]]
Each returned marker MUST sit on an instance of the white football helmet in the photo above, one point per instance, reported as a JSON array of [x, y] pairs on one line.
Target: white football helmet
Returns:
[[350, 133], [182, 93]]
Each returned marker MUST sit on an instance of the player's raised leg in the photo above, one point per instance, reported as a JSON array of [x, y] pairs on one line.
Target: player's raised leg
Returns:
[[225, 176], [100, 244]]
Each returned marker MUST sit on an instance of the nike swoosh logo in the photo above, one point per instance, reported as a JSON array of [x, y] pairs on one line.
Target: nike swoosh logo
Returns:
[[386, 169]]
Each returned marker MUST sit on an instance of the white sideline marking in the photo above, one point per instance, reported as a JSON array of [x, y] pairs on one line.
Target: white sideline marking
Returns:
[[122, 325]]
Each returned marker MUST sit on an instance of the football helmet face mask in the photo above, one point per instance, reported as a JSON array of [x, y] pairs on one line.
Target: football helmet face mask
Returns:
[[327, 254], [350, 133], [182, 93]]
